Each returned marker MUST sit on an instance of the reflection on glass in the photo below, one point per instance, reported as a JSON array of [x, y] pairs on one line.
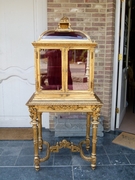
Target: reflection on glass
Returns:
[[50, 69], [78, 66]]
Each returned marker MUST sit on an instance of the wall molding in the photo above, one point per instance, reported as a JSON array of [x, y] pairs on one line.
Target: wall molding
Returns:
[[14, 71]]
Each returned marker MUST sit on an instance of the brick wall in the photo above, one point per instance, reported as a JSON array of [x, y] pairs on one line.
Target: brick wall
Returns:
[[96, 18]]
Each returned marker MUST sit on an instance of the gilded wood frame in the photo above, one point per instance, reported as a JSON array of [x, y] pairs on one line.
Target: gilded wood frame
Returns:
[[64, 100], [36, 110]]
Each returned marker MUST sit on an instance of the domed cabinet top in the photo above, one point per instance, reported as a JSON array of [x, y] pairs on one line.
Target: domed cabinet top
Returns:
[[64, 32]]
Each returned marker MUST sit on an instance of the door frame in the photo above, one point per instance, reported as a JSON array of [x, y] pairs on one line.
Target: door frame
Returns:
[[121, 74], [116, 88], [115, 64]]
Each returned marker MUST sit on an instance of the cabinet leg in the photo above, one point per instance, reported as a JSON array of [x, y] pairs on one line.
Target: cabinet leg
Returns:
[[34, 122], [94, 140], [40, 140], [88, 122]]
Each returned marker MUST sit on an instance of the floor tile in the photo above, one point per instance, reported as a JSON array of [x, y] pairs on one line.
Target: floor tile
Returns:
[[7, 160], [102, 160], [50, 141], [76, 140], [29, 173], [62, 160], [1, 150], [78, 161], [104, 173], [47, 134], [27, 151], [100, 150], [105, 141], [49, 162], [131, 158], [4, 143], [63, 152], [113, 149], [15, 144], [11, 151], [28, 143], [25, 161], [127, 150], [114, 162], [118, 159]]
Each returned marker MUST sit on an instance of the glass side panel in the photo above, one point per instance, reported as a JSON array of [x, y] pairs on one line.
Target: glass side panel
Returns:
[[50, 69], [64, 35], [78, 65]]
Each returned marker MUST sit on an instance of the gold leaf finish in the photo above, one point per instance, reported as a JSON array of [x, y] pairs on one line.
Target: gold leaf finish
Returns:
[[65, 96]]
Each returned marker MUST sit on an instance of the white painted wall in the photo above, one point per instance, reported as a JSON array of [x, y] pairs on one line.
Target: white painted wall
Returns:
[[21, 22]]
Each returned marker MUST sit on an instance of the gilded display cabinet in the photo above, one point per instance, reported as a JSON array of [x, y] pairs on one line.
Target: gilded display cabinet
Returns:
[[64, 81]]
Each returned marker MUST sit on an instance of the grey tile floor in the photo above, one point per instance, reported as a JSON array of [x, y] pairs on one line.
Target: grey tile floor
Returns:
[[114, 162]]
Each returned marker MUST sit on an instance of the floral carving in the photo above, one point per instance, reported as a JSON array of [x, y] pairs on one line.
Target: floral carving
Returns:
[[33, 114], [95, 111], [65, 107]]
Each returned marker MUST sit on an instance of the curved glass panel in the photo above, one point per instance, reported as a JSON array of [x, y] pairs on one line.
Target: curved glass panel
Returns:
[[64, 35]]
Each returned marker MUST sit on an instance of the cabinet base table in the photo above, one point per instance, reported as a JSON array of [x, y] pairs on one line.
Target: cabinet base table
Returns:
[[38, 106]]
